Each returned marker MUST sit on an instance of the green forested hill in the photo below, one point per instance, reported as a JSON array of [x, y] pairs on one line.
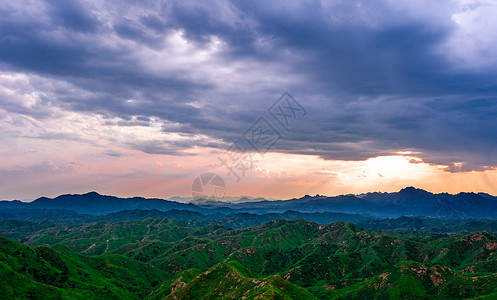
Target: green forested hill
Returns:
[[228, 281], [412, 280], [45, 272], [165, 258]]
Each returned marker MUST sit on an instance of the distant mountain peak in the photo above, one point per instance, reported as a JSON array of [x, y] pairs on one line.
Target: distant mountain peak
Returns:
[[92, 193], [411, 190]]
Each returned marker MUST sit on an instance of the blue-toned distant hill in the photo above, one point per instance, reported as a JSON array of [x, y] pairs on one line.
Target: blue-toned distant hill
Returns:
[[94, 203], [407, 202], [411, 202]]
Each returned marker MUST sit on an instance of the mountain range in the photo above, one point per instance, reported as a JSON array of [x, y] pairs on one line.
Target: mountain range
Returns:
[[407, 202], [167, 259], [410, 244]]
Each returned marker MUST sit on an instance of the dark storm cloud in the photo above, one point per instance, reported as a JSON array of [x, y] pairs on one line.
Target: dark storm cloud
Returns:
[[71, 14], [111, 76], [355, 58], [373, 78]]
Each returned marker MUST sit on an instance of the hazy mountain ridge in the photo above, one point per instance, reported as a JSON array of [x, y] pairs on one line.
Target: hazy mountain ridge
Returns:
[[407, 202]]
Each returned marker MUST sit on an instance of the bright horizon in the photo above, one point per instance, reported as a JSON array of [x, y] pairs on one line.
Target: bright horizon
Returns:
[[235, 199]]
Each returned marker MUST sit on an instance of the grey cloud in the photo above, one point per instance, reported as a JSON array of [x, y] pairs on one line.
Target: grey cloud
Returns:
[[372, 82], [114, 153], [71, 14], [159, 147]]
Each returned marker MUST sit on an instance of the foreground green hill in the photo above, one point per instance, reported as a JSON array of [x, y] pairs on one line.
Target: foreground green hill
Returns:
[[411, 280], [228, 281], [45, 273], [336, 260]]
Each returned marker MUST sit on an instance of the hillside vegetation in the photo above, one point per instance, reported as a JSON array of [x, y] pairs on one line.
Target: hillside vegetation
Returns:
[[162, 258]]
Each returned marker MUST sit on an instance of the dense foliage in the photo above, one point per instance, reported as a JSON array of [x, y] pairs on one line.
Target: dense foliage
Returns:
[[163, 258]]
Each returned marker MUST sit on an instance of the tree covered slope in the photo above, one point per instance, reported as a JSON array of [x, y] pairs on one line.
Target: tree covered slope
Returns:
[[228, 281], [45, 273], [161, 258]]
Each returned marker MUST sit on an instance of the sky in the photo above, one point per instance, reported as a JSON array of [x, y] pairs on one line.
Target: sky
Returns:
[[142, 97]]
